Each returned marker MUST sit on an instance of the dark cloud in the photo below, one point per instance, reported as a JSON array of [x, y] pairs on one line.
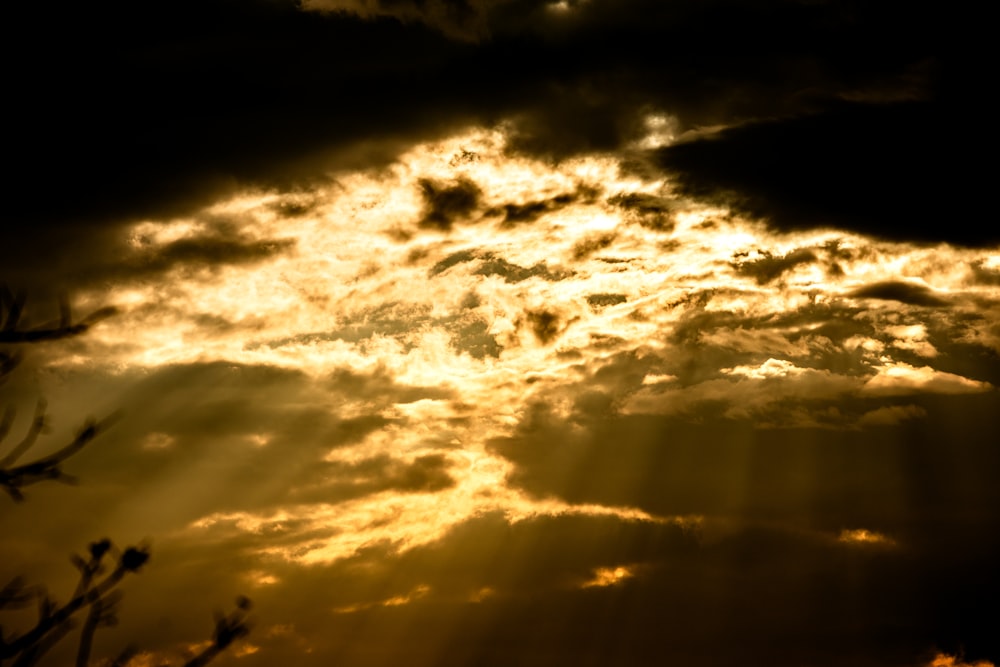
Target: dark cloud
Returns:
[[140, 110], [910, 293], [649, 210], [465, 20], [492, 264], [218, 427], [468, 331], [873, 169], [769, 267], [545, 324], [206, 251], [588, 246], [804, 114], [984, 275], [338, 481], [387, 319], [517, 213], [885, 479], [446, 204], [604, 300], [473, 336], [380, 385]]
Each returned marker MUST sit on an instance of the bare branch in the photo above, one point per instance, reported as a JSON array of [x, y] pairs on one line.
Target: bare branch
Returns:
[[53, 621], [103, 612], [38, 424], [228, 628], [13, 479], [35, 653], [6, 421], [10, 334], [15, 595], [8, 362], [14, 304]]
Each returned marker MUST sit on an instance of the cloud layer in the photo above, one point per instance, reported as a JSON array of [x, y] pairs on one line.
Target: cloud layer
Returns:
[[511, 332]]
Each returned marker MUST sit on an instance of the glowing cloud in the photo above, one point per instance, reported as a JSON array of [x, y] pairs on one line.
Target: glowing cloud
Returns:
[[899, 378]]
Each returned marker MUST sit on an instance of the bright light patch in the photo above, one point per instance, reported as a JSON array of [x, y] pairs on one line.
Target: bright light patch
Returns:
[[157, 441], [945, 660], [912, 337], [244, 649], [660, 130], [863, 537], [772, 368], [261, 578], [394, 601], [447, 294], [607, 576], [897, 378], [482, 594]]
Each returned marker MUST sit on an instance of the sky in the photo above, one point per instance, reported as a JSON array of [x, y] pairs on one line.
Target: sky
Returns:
[[511, 332]]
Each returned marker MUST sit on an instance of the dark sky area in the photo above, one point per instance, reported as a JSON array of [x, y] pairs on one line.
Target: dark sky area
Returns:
[[784, 454]]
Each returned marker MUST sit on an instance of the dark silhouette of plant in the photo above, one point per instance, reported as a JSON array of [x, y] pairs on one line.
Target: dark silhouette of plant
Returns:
[[228, 628], [14, 477], [12, 307], [96, 592], [93, 591]]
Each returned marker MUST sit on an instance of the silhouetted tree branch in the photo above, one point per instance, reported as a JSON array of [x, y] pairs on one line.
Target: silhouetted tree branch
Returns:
[[228, 628], [96, 592], [13, 478], [100, 597], [55, 621], [12, 307]]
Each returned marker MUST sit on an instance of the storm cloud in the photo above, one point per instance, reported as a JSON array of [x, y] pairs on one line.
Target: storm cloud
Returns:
[[492, 332]]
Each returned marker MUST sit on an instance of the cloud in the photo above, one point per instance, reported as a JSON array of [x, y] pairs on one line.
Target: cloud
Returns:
[[210, 251], [515, 213], [198, 100], [652, 211], [985, 274], [459, 19], [518, 331], [891, 415], [545, 324], [339, 481], [898, 378], [853, 166], [768, 267], [493, 264], [912, 337], [598, 301], [446, 204], [904, 292]]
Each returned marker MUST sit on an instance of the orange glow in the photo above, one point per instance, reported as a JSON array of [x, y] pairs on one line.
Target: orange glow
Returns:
[[944, 660], [608, 576]]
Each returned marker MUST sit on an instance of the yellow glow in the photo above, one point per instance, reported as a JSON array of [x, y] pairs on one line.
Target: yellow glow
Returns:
[[902, 378], [157, 441], [945, 660], [769, 369], [244, 649], [607, 576], [260, 578], [394, 601], [367, 290], [482, 594], [865, 537]]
